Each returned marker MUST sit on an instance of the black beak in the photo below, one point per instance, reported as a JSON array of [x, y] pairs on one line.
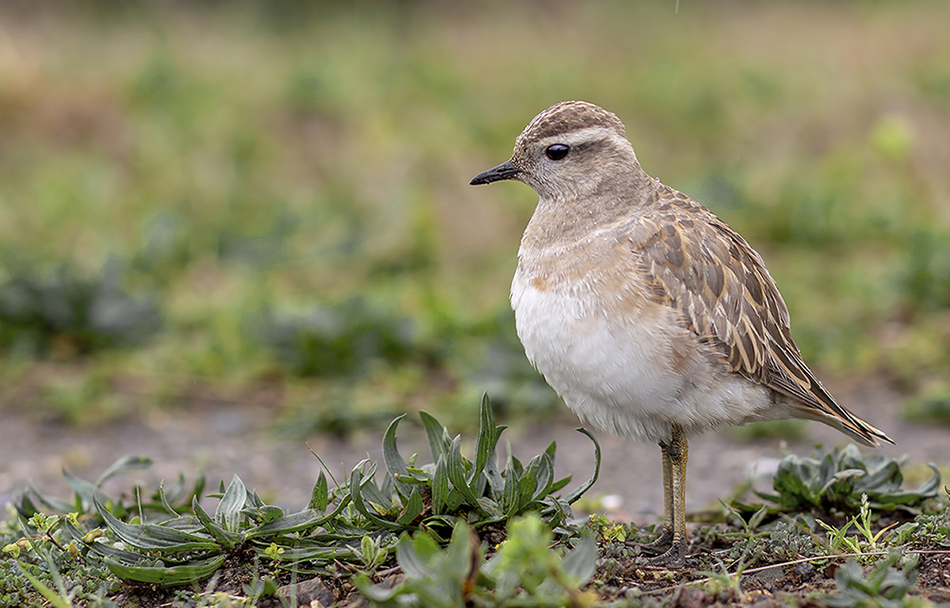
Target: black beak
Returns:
[[503, 171]]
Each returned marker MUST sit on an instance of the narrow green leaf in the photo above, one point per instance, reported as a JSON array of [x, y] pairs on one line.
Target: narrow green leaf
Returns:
[[413, 554], [264, 514], [544, 475], [559, 484], [296, 522], [99, 548], [437, 435], [929, 488], [455, 467], [491, 472], [826, 470], [226, 538], [578, 492], [884, 478], [199, 488], [525, 491], [440, 487], [51, 596], [412, 510], [375, 593], [357, 482], [510, 492], [758, 517], [177, 492], [150, 537], [581, 562], [320, 497], [166, 504], [291, 558], [84, 490], [228, 512], [192, 572], [123, 465], [459, 562], [253, 502], [107, 550], [395, 464], [377, 498], [488, 436], [25, 506]]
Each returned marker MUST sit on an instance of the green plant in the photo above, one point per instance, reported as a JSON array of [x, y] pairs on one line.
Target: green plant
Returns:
[[885, 586], [67, 315], [480, 488], [930, 407], [606, 530], [524, 571], [931, 529], [343, 338], [178, 497], [782, 540], [865, 541], [837, 480], [173, 540]]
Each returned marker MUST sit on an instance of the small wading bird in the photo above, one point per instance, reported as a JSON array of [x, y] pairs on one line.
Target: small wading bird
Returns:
[[649, 316]]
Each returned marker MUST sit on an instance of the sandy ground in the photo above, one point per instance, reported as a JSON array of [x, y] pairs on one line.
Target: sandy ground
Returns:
[[223, 441]]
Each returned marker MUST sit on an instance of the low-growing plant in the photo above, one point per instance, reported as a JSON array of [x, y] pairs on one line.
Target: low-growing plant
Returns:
[[336, 339], [782, 540], [82, 503], [834, 482], [67, 315], [865, 540], [885, 586], [930, 407], [930, 528], [173, 540], [524, 571]]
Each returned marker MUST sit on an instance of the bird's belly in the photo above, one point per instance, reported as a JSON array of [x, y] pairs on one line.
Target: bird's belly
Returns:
[[632, 373]]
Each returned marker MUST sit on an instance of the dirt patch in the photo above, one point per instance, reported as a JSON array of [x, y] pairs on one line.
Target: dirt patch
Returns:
[[933, 575]]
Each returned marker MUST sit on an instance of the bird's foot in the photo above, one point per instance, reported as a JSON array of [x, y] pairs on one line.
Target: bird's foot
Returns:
[[659, 546], [666, 551], [674, 558]]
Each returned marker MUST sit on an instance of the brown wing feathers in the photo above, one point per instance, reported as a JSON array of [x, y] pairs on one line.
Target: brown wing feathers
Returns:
[[704, 269]]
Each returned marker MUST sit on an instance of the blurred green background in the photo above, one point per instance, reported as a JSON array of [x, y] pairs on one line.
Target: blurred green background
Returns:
[[268, 201]]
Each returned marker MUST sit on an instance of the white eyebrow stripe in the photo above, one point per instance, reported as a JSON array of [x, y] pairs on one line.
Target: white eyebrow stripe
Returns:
[[582, 136]]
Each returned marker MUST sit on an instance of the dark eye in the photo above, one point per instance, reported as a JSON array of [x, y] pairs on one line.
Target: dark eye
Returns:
[[557, 151]]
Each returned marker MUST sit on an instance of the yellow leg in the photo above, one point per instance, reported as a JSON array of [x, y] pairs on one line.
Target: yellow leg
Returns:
[[663, 541], [677, 452]]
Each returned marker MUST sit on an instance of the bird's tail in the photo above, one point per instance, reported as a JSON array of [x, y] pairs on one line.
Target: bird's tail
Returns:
[[849, 424]]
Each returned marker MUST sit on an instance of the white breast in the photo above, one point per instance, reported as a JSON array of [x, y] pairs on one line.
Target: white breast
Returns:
[[630, 372]]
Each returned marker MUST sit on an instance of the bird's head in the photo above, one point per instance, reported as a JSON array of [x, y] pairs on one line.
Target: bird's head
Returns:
[[567, 151]]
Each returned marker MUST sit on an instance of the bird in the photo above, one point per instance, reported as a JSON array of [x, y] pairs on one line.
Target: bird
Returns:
[[650, 317]]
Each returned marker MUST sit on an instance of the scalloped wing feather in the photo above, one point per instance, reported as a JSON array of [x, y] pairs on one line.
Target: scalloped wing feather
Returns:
[[700, 266]]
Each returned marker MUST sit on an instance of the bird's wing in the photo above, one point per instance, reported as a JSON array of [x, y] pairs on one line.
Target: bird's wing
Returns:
[[704, 269]]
